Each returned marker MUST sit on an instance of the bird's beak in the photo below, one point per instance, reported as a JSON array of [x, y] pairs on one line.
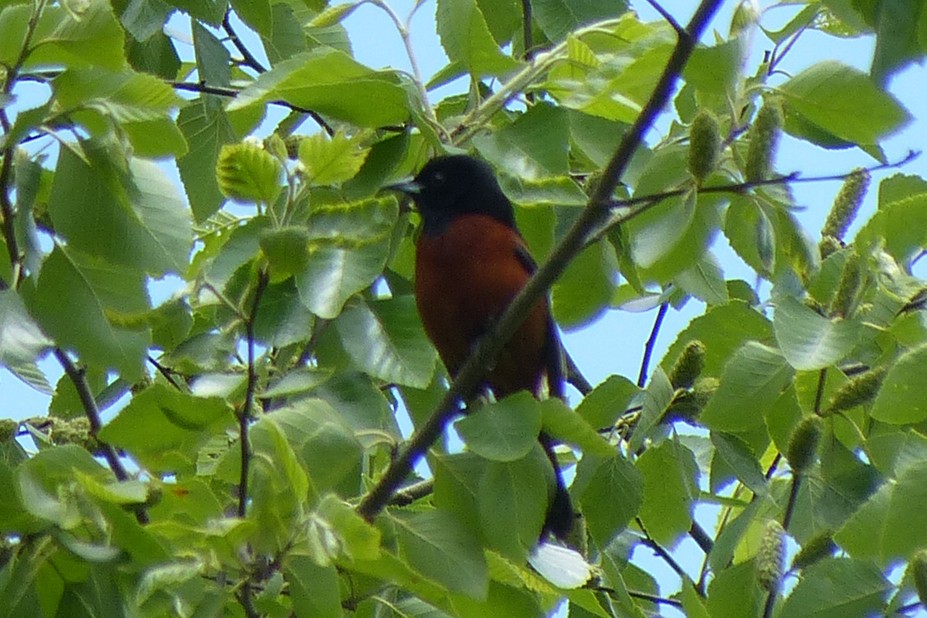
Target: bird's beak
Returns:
[[409, 187]]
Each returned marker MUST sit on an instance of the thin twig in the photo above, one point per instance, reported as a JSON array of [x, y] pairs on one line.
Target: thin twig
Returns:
[[246, 413], [659, 551], [669, 18], [645, 596], [408, 495], [651, 343], [701, 537], [247, 56], [403, 30], [819, 394], [92, 412], [223, 91], [164, 371], [244, 420], [527, 35], [487, 349], [575, 377]]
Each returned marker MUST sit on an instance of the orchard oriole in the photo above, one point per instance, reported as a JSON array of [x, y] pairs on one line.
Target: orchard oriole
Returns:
[[470, 263]]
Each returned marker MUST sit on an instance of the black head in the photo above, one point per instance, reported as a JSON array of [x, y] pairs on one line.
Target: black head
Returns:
[[456, 185]]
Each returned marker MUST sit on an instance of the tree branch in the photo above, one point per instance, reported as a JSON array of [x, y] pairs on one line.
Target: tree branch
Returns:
[[247, 56], [89, 403], [223, 91], [487, 349], [651, 343], [669, 18], [528, 39], [246, 413]]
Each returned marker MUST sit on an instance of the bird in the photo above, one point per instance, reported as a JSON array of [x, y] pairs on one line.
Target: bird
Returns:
[[471, 261]]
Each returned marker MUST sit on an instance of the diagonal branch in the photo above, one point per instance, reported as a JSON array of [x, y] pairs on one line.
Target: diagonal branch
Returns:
[[248, 58], [92, 411], [488, 348]]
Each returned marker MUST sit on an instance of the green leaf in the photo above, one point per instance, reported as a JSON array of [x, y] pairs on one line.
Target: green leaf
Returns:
[[324, 441], [845, 102], [330, 82], [734, 592], [584, 290], [206, 129], [900, 226], [282, 319], [210, 11], [534, 146], [132, 218], [467, 40], [348, 253], [314, 590], [902, 399], [705, 280], [607, 401], [736, 455], [92, 37], [255, 13], [457, 481], [752, 380], [163, 428], [21, 340], [838, 587], [437, 546], [385, 339], [95, 290], [249, 173], [557, 18], [279, 488], [286, 249], [810, 341], [560, 422], [213, 61], [512, 498], [331, 160], [670, 476], [723, 330], [611, 493], [124, 96], [502, 431], [896, 38]]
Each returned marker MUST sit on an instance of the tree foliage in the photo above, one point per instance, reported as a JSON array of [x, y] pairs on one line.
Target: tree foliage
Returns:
[[234, 448]]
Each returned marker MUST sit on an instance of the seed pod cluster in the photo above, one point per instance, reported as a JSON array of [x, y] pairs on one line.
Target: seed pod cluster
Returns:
[[803, 444], [816, 549], [689, 365], [859, 390], [704, 144], [846, 204], [764, 141], [848, 289], [770, 559]]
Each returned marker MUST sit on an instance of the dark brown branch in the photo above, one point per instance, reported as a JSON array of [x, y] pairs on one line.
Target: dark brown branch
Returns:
[[575, 377], [669, 18], [528, 39], [164, 371], [408, 495], [651, 343], [644, 596], [701, 537], [222, 91], [659, 551], [488, 348], [247, 409], [248, 57], [92, 411]]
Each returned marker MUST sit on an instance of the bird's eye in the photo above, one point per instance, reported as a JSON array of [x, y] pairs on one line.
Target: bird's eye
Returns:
[[438, 178]]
